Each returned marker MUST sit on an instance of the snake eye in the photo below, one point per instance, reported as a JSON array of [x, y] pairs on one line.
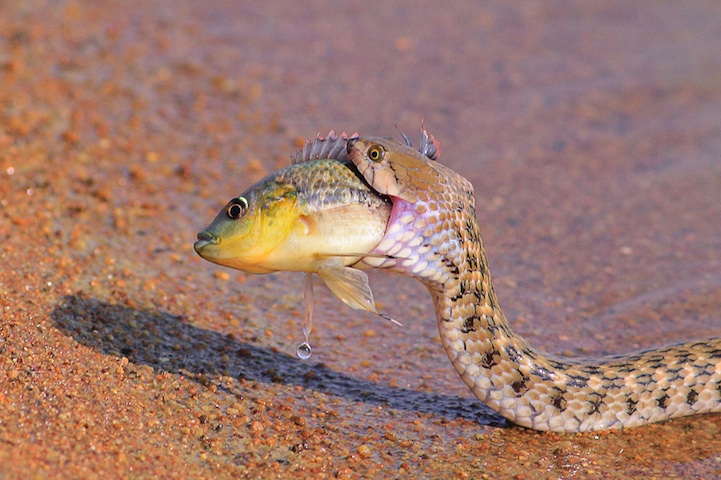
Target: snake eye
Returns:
[[376, 153], [237, 208]]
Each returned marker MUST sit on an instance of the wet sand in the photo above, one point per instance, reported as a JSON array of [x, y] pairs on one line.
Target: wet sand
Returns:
[[591, 133]]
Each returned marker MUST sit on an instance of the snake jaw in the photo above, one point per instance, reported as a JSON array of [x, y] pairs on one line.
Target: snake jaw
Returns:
[[403, 247]]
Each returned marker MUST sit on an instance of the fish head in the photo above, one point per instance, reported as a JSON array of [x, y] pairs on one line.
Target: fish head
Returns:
[[248, 230]]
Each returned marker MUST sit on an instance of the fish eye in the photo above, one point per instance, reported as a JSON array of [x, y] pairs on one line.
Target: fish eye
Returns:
[[376, 153], [237, 208]]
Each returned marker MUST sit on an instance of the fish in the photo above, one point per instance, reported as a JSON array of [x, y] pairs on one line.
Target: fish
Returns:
[[317, 215]]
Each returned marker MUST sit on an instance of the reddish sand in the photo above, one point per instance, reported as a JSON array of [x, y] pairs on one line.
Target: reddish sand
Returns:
[[591, 132]]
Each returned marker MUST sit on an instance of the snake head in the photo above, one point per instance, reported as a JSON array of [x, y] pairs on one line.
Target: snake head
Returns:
[[392, 168]]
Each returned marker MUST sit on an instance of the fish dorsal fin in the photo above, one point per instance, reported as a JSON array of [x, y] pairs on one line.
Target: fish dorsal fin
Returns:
[[332, 146], [429, 146], [351, 286]]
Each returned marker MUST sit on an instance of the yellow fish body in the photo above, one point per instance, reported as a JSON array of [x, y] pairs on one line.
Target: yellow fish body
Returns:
[[317, 215], [296, 220]]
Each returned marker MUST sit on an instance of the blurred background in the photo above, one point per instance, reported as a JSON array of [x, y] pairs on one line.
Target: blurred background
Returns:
[[591, 132]]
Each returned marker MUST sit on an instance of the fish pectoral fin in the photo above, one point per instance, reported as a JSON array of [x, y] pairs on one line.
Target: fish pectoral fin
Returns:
[[351, 286]]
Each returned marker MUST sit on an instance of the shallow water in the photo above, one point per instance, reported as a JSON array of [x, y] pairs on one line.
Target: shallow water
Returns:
[[591, 134]]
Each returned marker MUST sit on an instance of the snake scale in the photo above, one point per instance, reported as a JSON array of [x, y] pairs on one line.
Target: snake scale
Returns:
[[433, 236]]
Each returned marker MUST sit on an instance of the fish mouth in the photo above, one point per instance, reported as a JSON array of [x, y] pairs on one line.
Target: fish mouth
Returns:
[[205, 238]]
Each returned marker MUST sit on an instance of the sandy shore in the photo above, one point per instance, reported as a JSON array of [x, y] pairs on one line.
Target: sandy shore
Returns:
[[591, 133]]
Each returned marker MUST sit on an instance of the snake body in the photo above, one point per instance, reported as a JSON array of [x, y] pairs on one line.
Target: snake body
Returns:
[[433, 236]]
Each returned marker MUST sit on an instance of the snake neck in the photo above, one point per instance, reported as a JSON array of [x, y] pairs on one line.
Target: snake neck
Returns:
[[437, 241]]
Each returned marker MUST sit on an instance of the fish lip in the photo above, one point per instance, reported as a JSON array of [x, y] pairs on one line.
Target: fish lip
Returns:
[[205, 238]]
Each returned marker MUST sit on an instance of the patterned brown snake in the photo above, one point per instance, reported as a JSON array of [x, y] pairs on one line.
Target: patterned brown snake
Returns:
[[433, 236]]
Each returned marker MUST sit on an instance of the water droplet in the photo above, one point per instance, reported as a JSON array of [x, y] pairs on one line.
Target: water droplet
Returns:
[[304, 351]]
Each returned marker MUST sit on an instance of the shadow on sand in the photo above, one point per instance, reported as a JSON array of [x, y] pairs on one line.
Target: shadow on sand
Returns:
[[168, 343]]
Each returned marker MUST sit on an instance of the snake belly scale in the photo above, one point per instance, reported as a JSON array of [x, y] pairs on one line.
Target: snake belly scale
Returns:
[[433, 236]]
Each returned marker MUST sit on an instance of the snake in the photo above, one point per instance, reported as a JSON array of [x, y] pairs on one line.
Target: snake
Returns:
[[433, 236]]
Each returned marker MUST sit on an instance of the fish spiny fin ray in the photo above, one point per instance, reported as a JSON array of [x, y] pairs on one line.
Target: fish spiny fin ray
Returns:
[[332, 146]]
